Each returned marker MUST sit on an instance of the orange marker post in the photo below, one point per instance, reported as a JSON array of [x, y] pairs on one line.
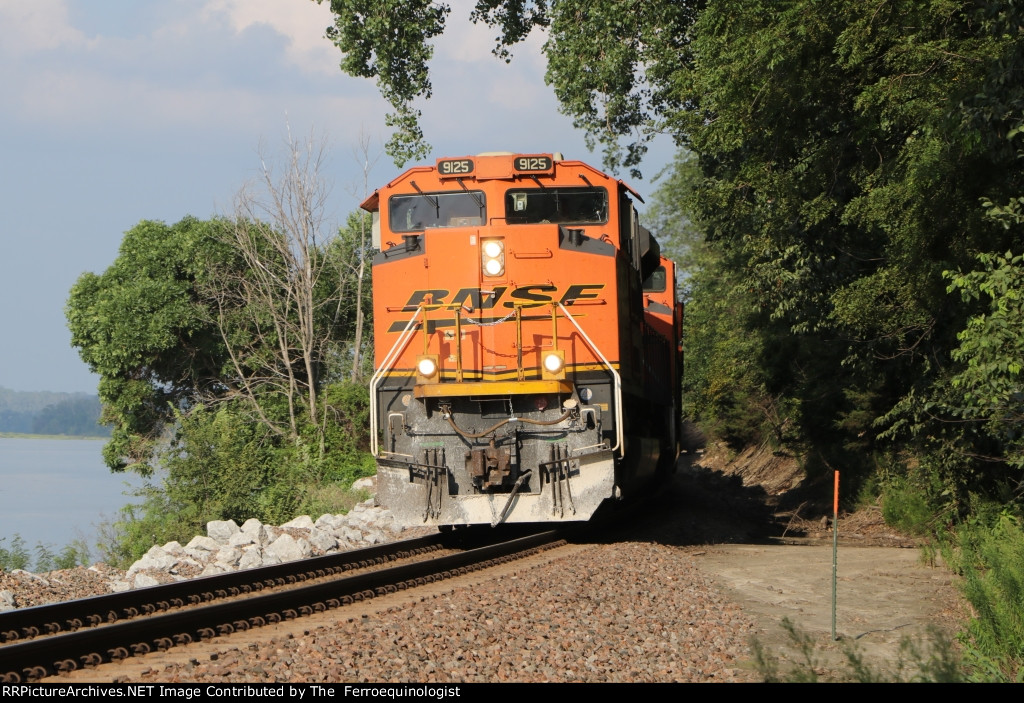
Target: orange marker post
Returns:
[[835, 549]]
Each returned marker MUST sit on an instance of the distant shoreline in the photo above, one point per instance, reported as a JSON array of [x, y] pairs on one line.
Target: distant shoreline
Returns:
[[22, 435]]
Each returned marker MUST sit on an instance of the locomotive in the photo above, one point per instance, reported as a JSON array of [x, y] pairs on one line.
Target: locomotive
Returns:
[[527, 342]]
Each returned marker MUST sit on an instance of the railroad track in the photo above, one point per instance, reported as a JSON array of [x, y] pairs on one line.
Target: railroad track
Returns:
[[50, 639]]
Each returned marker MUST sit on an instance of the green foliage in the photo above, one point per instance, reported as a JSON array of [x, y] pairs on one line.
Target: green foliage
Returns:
[[350, 254], [388, 40], [846, 151], [216, 466], [18, 555], [193, 379], [141, 326], [612, 67], [15, 556], [906, 508], [992, 351], [221, 465], [138, 527], [76, 553], [988, 552]]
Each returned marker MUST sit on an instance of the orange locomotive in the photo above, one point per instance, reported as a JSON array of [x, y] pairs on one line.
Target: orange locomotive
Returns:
[[527, 342]]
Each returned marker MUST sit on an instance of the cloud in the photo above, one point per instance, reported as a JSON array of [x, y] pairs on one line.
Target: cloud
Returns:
[[37, 25], [465, 42], [301, 23], [94, 101], [219, 65]]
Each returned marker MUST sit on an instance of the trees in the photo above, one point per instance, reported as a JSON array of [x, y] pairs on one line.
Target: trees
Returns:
[[846, 154], [272, 312], [388, 39], [855, 160], [225, 350], [841, 158], [248, 313], [612, 64], [143, 327]]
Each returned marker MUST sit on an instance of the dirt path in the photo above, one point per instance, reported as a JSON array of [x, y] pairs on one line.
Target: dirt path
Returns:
[[886, 598], [776, 562]]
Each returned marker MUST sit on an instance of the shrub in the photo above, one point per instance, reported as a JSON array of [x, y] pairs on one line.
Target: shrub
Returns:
[[988, 552], [906, 508]]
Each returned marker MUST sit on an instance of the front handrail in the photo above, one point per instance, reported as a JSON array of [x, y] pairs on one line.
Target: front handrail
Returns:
[[385, 366], [410, 330], [615, 375]]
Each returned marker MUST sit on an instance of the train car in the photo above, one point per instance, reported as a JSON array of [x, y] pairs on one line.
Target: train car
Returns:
[[526, 337]]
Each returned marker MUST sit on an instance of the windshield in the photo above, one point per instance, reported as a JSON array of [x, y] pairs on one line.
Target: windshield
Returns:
[[414, 213], [579, 206]]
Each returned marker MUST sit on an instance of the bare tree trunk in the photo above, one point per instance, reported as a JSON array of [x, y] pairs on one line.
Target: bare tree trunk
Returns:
[[276, 346], [364, 152]]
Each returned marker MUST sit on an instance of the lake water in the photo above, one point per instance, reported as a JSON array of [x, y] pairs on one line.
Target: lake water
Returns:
[[56, 490]]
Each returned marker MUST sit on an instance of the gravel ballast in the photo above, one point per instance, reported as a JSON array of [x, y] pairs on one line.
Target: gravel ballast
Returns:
[[628, 612]]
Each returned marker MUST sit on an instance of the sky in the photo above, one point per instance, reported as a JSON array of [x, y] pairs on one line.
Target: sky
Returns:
[[117, 111]]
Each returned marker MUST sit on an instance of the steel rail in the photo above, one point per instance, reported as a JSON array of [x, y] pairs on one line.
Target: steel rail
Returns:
[[75, 615], [37, 658]]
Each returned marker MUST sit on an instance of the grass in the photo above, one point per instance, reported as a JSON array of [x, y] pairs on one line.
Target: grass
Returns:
[[17, 555], [933, 660]]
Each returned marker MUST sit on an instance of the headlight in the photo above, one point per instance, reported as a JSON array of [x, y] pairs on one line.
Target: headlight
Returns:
[[493, 257], [553, 362], [427, 367]]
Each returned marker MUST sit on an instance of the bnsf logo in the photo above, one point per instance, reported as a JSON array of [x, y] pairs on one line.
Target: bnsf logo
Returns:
[[502, 297]]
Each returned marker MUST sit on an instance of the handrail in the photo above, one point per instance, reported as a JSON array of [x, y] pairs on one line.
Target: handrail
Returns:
[[615, 376], [385, 366]]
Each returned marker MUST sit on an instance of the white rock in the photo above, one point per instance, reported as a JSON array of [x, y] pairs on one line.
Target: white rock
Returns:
[[251, 526], [184, 563], [287, 548], [145, 581], [329, 522], [364, 484], [251, 558], [302, 522], [156, 558], [29, 574], [242, 539], [322, 539], [203, 543], [221, 530], [227, 556], [212, 569]]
